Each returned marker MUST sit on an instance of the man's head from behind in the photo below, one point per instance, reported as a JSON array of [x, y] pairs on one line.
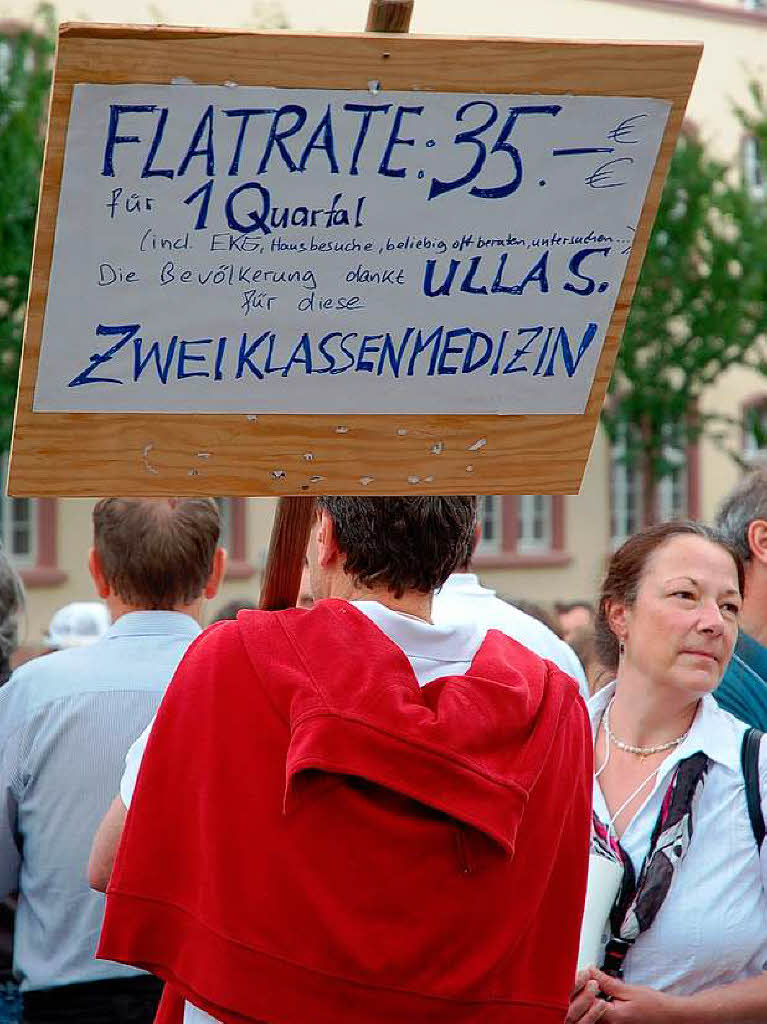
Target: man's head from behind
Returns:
[[742, 518], [574, 615], [393, 545], [156, 554]]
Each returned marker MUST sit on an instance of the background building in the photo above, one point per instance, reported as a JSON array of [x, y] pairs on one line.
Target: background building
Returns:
[[537, 547]]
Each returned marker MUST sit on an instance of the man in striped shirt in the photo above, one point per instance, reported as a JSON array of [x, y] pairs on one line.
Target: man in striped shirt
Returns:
[[66, 722]]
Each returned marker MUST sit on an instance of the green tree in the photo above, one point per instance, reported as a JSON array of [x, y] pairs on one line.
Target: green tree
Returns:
[[25, 72], [700, 307]]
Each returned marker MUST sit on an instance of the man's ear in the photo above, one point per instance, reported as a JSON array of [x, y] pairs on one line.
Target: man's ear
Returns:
[[216, 573], [757, 540], [327, 542], [103, 588]]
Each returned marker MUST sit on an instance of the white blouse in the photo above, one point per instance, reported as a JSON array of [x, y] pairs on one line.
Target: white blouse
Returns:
[[712, 927]]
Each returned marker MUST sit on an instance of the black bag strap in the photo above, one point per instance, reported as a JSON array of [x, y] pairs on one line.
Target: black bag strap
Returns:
[[749, 759]]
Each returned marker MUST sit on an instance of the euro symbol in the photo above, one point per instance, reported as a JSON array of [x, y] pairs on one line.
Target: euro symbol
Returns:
[[604, 175], [256, 219], [624, 130]]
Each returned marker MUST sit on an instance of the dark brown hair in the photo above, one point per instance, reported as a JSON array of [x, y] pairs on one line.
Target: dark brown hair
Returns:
[[411, 543], [627, 565], [156, 553], [563, 607]]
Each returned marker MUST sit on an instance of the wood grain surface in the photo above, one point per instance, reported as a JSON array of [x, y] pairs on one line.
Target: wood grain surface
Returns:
[[93, 454], [389, 15]]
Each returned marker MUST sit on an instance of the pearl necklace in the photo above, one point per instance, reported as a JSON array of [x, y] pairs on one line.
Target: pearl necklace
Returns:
[[628, 747]]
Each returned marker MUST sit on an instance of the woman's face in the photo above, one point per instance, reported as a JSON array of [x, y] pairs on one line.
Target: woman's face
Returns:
[[682, 628]]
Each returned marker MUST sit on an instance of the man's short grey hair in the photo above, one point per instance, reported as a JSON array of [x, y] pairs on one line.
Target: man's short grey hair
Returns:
[[745, 503]]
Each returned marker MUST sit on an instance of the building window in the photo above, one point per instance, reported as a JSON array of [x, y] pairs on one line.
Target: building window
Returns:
[[6, 62], [28, 528], [17, 529], [18, 524], [534, 521], [625, 490], [672, 490], [673, 496], [490, 524], [225, 511], [524, 530], [754, 445], [234, 516], [752, 157]]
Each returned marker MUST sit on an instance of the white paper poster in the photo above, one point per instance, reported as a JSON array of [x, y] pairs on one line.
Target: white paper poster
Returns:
[[242, 249]]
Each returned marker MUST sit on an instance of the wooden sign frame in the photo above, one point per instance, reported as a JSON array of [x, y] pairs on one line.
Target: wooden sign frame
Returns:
[[83, 454]]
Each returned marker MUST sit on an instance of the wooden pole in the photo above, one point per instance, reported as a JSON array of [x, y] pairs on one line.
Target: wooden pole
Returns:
[[389, 15], [287, 553], [293, 518]]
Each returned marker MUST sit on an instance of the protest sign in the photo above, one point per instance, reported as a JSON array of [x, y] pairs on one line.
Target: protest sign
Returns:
[[273, 264]]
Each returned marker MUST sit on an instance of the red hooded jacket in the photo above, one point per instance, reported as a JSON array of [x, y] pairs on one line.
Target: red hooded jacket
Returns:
[[315, 839]]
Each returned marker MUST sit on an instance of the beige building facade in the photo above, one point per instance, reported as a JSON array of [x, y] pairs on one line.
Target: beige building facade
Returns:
[[538, 548]]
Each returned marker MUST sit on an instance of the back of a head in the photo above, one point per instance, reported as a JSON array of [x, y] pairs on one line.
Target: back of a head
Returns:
[[404, 543], [574, 615], [156, 554], [11, 605], [746, 502], [536, 611]]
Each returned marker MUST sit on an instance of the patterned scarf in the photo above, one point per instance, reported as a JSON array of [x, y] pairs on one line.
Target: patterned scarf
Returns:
[[638, 902]]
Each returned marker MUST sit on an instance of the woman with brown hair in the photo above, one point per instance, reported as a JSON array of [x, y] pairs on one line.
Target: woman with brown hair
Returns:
[[686, 940]]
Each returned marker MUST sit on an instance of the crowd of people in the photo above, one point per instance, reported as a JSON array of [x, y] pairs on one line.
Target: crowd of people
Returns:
[[396, 801]]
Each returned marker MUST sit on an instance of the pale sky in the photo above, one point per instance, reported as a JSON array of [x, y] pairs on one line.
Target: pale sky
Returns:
[[481, 17]]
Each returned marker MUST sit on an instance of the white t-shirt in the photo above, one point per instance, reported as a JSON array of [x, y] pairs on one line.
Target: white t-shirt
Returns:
[[463, 599], [712, 927], [432, 650]]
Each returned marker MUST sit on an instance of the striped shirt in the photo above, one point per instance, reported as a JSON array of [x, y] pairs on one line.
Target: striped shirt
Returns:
[[66, 722]]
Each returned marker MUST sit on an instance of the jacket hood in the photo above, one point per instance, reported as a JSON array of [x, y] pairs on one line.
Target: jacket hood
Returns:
[[314, 837], [470, 746]]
